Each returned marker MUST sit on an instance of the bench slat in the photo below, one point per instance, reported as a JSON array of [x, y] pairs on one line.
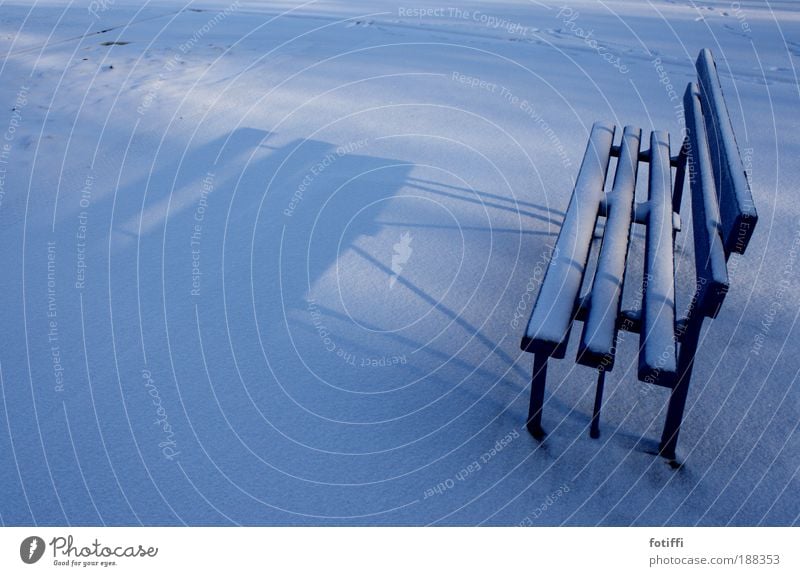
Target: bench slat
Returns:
[[657, 354], [597, 346], [550, 322], [733, 189], [709, 253]]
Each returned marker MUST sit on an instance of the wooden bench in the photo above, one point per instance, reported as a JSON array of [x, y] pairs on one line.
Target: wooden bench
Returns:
[[723, 221]]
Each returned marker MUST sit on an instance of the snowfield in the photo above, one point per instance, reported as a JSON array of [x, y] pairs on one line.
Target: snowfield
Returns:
[[270, 264]]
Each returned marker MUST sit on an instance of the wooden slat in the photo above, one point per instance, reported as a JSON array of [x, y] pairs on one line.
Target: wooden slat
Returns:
[[550, 322], [709, 253], [733, 188], [657, 354], [597, 346]]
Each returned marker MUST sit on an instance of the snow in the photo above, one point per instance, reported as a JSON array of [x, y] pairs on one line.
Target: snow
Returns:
[[657, 359], [270, 264], [600, 329]]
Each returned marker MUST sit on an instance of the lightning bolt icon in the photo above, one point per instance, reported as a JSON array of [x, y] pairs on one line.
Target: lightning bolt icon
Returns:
[[34, 546]]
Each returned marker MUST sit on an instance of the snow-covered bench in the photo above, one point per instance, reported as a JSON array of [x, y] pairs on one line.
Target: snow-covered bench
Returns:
[[723, 220]]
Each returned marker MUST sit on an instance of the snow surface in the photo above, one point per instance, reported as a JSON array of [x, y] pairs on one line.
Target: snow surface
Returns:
[[271, 263]]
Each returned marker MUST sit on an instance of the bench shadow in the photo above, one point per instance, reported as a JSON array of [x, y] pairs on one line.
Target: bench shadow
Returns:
[[543, 214]]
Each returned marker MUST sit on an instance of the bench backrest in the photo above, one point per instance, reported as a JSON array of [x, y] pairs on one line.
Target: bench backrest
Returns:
[[722, 204]]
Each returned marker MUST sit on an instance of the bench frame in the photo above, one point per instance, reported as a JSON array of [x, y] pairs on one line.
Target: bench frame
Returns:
[[723, 216]]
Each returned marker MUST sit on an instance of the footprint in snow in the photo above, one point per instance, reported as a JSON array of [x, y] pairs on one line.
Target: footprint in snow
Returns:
[[361, 23], [736, 31]]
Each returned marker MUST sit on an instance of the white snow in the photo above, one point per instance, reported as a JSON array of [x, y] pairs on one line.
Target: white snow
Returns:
[[261, 264]]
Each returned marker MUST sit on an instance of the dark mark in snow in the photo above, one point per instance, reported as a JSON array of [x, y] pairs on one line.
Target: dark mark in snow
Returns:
[[113, 43], [39, 47]]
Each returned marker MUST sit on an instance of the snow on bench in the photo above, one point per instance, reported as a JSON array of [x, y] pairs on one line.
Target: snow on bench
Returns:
[[550, 322], [724, 217]]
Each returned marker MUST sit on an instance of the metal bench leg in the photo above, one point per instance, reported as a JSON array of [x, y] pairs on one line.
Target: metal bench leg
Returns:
[[677, 400], [538, 380], [594, 431]]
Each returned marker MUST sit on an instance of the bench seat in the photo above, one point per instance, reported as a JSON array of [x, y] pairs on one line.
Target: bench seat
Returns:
[[724, 218]]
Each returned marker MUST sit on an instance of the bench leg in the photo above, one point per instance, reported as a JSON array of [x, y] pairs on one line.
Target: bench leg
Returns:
[[594, 431], [672, 426], [677, 400], [538, 380]]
